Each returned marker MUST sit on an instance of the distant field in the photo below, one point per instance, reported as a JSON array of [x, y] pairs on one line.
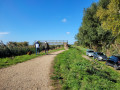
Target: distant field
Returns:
[[5, 62], [73, 72]]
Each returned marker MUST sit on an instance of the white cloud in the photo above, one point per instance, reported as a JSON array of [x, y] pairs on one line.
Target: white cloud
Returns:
[[64, 20], [67, 32], [4, 33]]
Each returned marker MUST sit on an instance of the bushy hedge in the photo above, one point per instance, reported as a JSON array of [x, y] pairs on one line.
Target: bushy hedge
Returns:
[[16, 49]]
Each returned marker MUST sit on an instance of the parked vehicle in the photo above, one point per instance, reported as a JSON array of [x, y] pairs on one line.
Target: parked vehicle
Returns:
[[114, 61], [89, 53], [99, 56]]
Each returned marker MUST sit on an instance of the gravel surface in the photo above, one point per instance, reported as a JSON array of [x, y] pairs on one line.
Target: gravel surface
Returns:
[[30, 75]]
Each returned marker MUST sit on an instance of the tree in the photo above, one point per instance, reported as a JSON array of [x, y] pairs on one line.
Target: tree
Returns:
[[91, 33], [110, 17], [87, 33]]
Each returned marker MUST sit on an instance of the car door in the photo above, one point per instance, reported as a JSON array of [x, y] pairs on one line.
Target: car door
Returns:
[[111, 62], [95, 55]]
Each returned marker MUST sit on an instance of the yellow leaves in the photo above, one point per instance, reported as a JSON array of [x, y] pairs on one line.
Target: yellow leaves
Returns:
[[113, 7], [112, 18], [109, 17], [101, 13]]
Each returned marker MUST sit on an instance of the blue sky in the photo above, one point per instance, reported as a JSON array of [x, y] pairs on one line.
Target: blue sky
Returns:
[[30, 20]]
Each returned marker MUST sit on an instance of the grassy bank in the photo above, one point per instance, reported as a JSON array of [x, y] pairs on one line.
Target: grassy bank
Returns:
[[77, 73], [5, 62]]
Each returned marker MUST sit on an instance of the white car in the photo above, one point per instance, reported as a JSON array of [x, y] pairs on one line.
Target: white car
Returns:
[[90, 53]]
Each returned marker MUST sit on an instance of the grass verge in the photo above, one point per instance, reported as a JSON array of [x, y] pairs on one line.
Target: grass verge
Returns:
[[77, 73], [5, 62]]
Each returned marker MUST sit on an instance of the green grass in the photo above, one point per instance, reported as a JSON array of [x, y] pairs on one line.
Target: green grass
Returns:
[[5, 62], [77, 73]]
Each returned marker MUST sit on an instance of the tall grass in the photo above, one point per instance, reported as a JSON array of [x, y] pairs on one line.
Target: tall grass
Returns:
[[77, 73]]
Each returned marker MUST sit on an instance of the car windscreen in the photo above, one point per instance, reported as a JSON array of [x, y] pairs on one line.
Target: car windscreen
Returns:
[[100, 54], [90, 51]]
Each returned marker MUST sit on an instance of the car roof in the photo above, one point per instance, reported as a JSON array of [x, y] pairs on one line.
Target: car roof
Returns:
[[89, 50], [116, 56]]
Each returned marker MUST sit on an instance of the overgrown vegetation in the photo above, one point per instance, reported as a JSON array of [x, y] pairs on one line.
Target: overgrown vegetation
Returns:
[[100, 28], [5, 62], [76, 73], [20, 48]]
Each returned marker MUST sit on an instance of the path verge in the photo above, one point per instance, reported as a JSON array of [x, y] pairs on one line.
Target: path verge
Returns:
[[29, 75]]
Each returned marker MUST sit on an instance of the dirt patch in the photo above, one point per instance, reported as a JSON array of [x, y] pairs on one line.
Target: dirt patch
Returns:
[[30, 75]]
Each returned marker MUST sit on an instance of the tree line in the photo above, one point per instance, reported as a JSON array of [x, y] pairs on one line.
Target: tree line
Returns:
[[100, 29]]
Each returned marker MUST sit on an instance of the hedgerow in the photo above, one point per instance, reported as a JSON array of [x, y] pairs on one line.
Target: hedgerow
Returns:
[[20, 48]]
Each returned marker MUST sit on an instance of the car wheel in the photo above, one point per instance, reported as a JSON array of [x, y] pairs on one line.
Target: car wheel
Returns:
[[115, 67]]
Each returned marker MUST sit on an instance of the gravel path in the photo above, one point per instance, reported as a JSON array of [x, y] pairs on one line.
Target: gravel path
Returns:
[[30, 75]]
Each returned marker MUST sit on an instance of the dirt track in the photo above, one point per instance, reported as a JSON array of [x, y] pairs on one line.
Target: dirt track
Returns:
[[30, 75]]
